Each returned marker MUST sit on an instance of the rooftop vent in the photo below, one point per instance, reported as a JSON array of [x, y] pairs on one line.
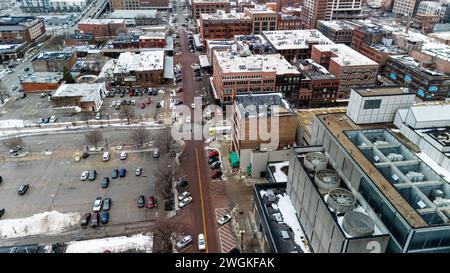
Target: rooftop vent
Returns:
[[395, 157], [415, 176], [315, 161], [357, 224], [341, 200], [327, 179]]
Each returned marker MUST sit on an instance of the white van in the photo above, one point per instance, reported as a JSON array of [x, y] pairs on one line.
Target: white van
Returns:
[[106, 156]]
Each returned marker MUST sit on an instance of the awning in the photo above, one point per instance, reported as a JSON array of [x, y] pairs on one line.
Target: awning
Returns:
[[234, 159], [204, 62]]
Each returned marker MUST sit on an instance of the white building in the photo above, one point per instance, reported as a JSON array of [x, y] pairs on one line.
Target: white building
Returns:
[[432, 8], [54, 5], [404, 7], [87, 96], [377, 105]]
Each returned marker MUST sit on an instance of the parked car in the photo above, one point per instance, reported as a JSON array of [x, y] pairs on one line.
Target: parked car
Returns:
[[106, 156], [211, 160], [2, 211], [85, 155], [201, 242], [141, 201], [98, 116], [123, 155], [156, 153], [193, 105], [95, 220], [46, 120], [14, 87], [151, 202], [85, 219], [224, 219], [184, 242], [105, 182], [183, 203], [23, 95], [84, 175], [213, 153], [115, 174], [122, 172], [142, 105], [52, 119], [92, 175], [216, 174], [97, 204], [183, 195], [23, 189], [106, 204], [138, 171], [113, 103], [188, 119], [40, 121], [133, 102], [179, 89], [215, 165], [181, 184], [105, 217]]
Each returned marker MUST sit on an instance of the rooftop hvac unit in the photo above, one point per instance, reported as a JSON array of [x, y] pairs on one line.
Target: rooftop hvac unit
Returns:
[[415, 176], [358, 224], [341, 200], [327, 179], [437, 193], [315, 161], [395, 157], [380, 143], [442, 202]]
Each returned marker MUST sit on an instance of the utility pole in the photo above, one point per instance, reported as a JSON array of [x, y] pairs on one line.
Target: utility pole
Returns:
[[242, 232], [106, 144]]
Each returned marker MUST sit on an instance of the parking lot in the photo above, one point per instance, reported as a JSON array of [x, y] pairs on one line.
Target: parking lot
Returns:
[[55, 185]]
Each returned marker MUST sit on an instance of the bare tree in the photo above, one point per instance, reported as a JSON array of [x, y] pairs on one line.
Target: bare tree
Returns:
[[11, 143], [164, 179], [139, 136], [164, 230], [127, 112], [3, 94], [94, 137], [164, 142]]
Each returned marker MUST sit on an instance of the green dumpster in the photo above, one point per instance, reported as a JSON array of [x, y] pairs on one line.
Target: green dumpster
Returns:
[[234, 159]]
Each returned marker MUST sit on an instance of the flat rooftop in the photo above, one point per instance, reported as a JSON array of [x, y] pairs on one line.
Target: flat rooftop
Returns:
[[337, 124], [133, 14], [221, 15], [44, 77], [86, 90], [102, 21], [336, 25], [391, 50], [414, 64], [382, 91], [295, 39], [144, 61], [210, 1], [263, 99], [15, 20], [345, 55], [314, 71], [231, 62], [53, 55]]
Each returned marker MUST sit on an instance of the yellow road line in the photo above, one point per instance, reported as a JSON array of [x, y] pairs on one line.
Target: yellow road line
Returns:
[[201, 200]]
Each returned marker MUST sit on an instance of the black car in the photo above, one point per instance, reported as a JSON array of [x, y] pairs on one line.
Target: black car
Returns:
[[85, 219], [1, 179], [46, 120], [141, 201], [23, 95], [92, 175], [115, 174], [122, 95], [181, 184], [85, 155], [23, 189], [105, 217], [212, 160], [2, 211], [95, 220], [122, 172], [105, 182], [129, 102], [107, 204], [214, 165]]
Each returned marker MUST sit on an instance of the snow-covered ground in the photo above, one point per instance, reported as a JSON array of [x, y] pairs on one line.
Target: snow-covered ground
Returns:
[[435, 166], [11, 123], [49, 222], [139, 242], [288, 212], [278, 174]]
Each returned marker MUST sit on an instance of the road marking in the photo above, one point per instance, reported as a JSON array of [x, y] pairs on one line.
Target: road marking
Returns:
[[201, 200]]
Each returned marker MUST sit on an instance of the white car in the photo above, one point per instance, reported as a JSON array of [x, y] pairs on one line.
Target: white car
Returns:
[[123, 155], [184, 242], [84, 175], [201, 242], [193, 106], [224, 219], [183, 195], [183, 203], [113, 103], [188, 119], [52, 119], [97, 204]]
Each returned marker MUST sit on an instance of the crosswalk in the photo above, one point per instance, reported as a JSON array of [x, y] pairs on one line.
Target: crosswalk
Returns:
[[226, 237]]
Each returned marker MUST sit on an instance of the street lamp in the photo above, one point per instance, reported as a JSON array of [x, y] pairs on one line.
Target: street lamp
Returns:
[[107, 117], [242, 232]]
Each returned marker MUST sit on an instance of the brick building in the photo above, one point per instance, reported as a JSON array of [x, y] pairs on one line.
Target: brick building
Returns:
[[42, 82], [77, 39], [54, 61], [263, 19], [288, 22], [338, 31], [209, 7], [102, 28], [21, 29], [353, 69], [223, 25], [138, 4], [88, 96]]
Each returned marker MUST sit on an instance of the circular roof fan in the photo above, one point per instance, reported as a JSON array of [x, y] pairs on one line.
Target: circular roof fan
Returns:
[[357, 224], [327, 179], [341, 200], [315, 161]]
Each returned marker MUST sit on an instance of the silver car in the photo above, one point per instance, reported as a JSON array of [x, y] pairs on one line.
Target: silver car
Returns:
[[185, 241]]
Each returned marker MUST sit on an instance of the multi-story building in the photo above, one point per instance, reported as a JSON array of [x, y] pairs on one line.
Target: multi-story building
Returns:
[[102, 28], [295, 44], [404, 7], [288, 21], [422, 79], [54, 5], [234, 74], [432, 8], [17, 30], [315, 10], [140, 70], [54, 61], [353, 69], [319, 87], [257, 44], [209, 7], [263, 19], [426, 22], [223, 25], [77, 39], [139, 4], [338, 31]]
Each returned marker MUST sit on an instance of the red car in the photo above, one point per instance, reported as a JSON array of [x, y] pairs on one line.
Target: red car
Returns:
[[180, 89], [142, 105], [213, 153], [216, 174], [148, 101], [151, 202]]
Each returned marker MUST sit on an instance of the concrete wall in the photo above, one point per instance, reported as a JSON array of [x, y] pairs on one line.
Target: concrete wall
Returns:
[[258, 160]]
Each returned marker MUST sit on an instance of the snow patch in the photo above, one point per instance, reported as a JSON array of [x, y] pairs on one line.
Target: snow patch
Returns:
[[279, 175], [11, 123], [49, 222], [139, 242], [435, 166]]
